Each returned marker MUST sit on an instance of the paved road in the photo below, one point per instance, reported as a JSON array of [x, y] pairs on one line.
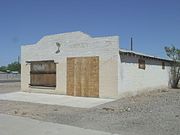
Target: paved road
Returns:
[[7, 87], [9, 81], [14, 125]]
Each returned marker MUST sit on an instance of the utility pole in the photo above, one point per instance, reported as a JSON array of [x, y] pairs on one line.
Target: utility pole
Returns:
[[131, 44], [18, 59]]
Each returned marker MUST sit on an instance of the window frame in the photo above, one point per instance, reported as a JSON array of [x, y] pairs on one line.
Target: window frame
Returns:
[[163, 65], [141, 64]]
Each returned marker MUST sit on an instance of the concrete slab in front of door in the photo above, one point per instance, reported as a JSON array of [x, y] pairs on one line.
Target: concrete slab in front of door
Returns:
[[64, 100]]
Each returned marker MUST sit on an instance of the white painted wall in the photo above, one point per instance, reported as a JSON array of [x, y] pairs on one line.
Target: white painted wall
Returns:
[[74, 44], [134, 80]]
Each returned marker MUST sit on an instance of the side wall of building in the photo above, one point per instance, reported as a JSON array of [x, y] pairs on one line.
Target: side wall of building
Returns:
[[75, 44], [133, 80]]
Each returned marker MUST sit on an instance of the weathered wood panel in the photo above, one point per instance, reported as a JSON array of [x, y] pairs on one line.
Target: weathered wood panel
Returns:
[[83, 76], [43, 67], [43, 74], [70, 76], [46, 80]]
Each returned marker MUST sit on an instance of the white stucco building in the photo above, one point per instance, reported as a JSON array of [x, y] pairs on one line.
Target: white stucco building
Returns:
[[77, 64]]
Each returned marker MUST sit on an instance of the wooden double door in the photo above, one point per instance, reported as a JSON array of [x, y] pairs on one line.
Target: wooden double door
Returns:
[[83, 76]]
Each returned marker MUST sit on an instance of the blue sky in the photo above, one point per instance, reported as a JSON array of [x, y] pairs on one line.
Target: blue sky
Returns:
[[153, 24]]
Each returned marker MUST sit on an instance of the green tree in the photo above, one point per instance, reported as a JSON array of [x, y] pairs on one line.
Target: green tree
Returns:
[[174, 54], [3, 68], [14, 66]]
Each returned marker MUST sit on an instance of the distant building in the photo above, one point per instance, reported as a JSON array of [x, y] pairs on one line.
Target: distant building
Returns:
[[77, 64], [14, 72]]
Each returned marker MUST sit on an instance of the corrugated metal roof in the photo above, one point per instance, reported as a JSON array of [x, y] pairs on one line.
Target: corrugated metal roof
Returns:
[[143, 55]]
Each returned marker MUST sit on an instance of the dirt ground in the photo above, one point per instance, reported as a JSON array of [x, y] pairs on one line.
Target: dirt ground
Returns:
[[153, 113]]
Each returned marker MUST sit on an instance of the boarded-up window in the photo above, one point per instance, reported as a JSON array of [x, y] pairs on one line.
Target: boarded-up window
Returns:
[[43, 73], [163, 65], [141, 64]]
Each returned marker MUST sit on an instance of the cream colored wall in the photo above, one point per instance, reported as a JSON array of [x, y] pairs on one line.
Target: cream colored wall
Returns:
[[109, 77], [61, 76], [75, 44], [133, 80], [25, 76]]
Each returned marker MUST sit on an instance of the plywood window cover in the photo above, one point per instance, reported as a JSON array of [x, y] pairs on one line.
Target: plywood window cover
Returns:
[[46, 72]]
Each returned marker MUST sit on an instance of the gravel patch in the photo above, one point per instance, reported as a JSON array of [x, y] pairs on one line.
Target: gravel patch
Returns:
[[9, 86], [153, 113]]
